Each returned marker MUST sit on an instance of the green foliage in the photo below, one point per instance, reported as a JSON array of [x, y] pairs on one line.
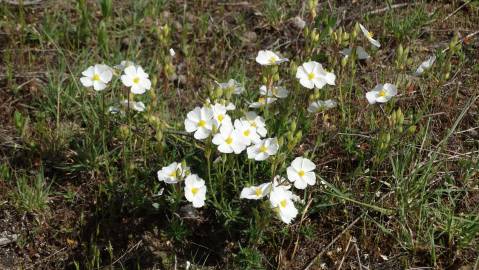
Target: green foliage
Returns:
[[32, 195]]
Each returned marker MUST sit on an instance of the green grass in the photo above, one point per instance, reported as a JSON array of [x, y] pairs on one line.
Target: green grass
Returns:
[[408, 169]]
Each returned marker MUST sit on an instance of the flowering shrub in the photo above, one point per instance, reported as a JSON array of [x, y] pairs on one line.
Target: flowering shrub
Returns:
[[220, 135]]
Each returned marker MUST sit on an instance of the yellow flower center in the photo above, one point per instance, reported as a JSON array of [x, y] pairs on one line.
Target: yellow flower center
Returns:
[[172, 174], [370, 34], [246, 133], [96, 77], [194, 191], [311, 76], [263, 149], [283, 203], [221, 117], [301, 173], [202, 123], [229, 140], [262, 100], [382, 93], [258, 192], [136, 80], [273, 60]]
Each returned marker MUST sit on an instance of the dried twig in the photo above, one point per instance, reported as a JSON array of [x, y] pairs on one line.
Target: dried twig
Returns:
[[381, 10], [455, 11], [345, 253], [22, 3]]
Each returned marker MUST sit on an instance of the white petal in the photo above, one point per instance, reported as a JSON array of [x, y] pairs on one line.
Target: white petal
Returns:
[[201, 133], [371, 96], [190, 126], [307, 83], [130, 71], [89, 72], [137, 89], [126, 80], [98, 85], [86, 81]]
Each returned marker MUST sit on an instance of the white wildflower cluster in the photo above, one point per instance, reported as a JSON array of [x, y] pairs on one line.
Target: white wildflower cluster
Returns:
[[247, 133], [134, 77], [281, 198]]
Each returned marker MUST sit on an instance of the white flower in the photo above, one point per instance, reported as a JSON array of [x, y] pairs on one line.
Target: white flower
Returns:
[[172, 52], [369, 36], [228, 140], [360, 53], [281, 201], [425, 65], [319, 105], [276, 91], [262, 101], [263, 149], [267, 58], [199, 121], [256, 192], [97, 76], [134, 105], [381, 93], [257, 122], [136, 78], [195, 190], [246, 132], [172, 173], [219, 114], [312, 74], [301, 173], [232, 84]]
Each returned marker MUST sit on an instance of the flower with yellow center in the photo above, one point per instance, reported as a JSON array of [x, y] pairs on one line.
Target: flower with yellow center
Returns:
[[200, 121], [255, 192], [381, 93], [220, 115], [369, 36], [312, 74], [301, 172], [229, 140], [246, 131], [136, 78], [263, 149], [172, 173], [256, 123], [195, 190], [268, 58], [281, 201], [97, 76]]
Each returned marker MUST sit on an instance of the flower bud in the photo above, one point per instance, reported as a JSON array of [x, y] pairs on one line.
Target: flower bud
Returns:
[[293, 126], [412, 129], [123, 132]]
